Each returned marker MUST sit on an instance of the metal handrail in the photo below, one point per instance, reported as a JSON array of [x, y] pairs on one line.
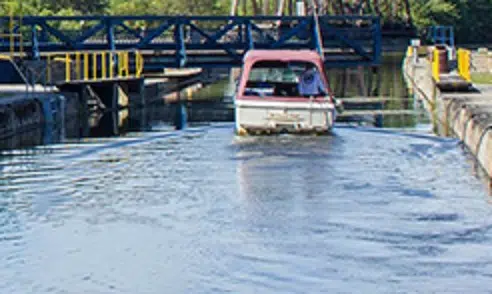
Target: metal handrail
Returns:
[[105, 64]]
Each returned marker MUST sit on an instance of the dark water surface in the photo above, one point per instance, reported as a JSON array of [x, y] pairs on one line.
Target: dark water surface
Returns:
[[366, 210]]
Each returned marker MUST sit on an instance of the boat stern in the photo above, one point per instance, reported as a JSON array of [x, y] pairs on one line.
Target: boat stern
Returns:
[[254, 117]]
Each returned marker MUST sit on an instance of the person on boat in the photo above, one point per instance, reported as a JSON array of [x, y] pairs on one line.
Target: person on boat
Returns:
[[310, 82]]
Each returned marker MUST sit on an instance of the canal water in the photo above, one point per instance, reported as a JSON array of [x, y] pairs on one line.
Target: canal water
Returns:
[[394, 209]]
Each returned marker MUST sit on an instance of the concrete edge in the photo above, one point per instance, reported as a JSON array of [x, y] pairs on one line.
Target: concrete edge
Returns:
[[466, 117]]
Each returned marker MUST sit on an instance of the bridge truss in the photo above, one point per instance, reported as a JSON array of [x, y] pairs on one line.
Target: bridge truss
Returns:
[[201, 41]]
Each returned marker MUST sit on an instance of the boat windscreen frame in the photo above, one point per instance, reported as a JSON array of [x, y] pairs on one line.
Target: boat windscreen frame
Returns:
[[283, 64]]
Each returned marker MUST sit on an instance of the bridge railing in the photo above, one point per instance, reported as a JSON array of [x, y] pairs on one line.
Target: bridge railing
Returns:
[[182, 38], [99, 65], [441, 35], [10, 28]]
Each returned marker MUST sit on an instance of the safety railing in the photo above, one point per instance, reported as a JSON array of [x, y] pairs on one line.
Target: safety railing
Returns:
[[196, 41], [463, 57], [435, 65], [96, 65], [14, 23]]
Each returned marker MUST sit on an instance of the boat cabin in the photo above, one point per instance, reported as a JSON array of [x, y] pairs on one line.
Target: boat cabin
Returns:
[[277, 74]]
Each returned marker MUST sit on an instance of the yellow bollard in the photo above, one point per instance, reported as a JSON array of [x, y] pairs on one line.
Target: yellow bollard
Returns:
[[435, 65], [467, 65], [459, 54], [137, 65], [464, 64]]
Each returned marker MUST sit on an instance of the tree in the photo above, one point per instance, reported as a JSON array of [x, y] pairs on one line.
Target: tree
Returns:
[[432, 12]]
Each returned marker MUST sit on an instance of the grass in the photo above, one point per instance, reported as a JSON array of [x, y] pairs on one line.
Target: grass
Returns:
[[481, 78]]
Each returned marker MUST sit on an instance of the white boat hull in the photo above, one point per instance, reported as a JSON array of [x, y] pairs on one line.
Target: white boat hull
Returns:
[[292, 117]]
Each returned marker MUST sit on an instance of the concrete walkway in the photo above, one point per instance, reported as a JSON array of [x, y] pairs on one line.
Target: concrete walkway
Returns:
[[466, 115]]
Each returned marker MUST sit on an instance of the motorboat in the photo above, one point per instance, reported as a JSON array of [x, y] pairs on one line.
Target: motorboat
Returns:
[[269, 97]]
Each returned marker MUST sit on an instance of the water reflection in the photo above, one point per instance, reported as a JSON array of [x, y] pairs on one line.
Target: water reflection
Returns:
[[216, 213], [386, 82], [264, 164]]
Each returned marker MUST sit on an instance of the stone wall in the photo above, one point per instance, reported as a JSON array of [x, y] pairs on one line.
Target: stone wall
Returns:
[[481, 61]]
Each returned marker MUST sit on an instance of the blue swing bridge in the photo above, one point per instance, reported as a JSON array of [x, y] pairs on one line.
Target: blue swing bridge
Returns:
[[195, 41]]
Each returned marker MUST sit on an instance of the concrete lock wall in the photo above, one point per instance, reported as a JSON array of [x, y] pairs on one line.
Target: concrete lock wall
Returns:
[[466, 116], [20, 113]]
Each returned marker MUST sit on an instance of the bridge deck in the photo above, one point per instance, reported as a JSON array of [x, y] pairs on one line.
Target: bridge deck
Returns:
[[196, 41]]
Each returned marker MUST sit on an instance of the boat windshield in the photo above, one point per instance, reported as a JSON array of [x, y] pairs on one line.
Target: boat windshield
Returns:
[[276, 78]]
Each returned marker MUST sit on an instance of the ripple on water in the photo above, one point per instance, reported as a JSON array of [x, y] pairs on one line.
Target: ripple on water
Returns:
[[364, 210]]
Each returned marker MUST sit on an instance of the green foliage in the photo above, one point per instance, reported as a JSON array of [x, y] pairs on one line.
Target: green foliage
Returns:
[[167, 7], [470, 18], [432, 12]]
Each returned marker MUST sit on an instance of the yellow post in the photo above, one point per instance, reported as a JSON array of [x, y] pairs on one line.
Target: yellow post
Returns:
[[48, 68], [94, 65], [103, 64], [409, 51], [123, 64], [464, 64], [459, 55], [86, 66], [120, 64], [127, 64], [435, 65], [77, 65], [67, 67], [111, 64], [139, 64]]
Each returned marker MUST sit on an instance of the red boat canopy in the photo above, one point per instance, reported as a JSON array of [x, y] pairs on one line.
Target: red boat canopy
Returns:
[[272, 58], [282, 55]]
